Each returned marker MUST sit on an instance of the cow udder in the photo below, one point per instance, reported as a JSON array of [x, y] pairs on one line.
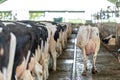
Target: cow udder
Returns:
[[90, 47]]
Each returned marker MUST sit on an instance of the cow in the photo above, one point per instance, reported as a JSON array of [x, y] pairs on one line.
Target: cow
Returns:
[[57, 40], [54, 40], [37, 62], [24, 41], [88, 41], [109, 40], [67, 33], [42, 54], [7, 52]]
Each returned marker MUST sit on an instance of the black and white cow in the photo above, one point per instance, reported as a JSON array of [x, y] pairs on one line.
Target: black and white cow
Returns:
[[7, 52], [42, 51], [24, 40], [54, 42]]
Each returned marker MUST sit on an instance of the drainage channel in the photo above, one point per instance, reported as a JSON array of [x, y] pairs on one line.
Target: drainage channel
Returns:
[[74, 61], [65, 62], [78, 65]]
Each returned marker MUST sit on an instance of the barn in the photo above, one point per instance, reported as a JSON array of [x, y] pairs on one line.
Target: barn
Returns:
[[59, 40]]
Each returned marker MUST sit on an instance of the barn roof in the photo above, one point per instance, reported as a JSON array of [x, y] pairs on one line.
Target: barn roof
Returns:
[[55, 5], [87, 6]]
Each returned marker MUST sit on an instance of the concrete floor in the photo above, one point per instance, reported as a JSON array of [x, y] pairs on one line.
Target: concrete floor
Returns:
[[70, 65]]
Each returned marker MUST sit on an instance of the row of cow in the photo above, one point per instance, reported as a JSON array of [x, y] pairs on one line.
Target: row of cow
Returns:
[[29, 48]]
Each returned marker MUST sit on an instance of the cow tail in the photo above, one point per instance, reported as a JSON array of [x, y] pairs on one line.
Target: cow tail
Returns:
[[27, 59], [29, 54], [42, 48], [89, 33], [12, 54]]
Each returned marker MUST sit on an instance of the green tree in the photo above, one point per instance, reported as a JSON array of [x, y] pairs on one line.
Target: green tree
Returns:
[[1, 1]]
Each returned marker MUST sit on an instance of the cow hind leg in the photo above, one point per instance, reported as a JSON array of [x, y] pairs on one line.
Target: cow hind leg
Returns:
[[55, 61], [84, 73], [20, 69], [54, 56], [26, 75], [94, 69], [1, 76], [39, 71]]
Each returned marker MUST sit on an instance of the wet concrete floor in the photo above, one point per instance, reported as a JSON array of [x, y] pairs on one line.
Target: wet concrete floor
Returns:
[[70, 64]]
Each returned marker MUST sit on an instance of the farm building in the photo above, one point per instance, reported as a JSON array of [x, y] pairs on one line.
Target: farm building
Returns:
[[59, 39]]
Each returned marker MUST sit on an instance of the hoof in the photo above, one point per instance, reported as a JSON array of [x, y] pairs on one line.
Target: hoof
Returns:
[[94, 71], [84, 73]]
